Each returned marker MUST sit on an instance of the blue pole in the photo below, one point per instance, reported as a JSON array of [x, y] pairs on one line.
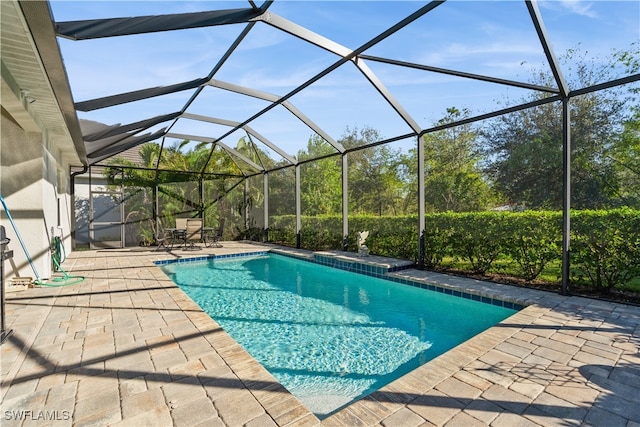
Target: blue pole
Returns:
[[24, 248]]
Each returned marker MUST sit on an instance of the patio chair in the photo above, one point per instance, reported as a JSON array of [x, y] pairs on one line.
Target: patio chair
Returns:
[[194, 233], [180, 232], [181, 223], [215, 238], [162, 237]]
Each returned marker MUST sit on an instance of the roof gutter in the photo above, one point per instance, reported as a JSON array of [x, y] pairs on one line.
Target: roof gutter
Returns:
[[38, 16]]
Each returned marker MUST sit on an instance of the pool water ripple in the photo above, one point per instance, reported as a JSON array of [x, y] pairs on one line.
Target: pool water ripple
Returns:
[[327, 335]]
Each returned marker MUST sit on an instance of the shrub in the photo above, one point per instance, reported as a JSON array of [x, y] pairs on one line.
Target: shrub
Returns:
[[605, 244], [437, 238], [477, 238], [532, 240], [605, 247], [391, 236]]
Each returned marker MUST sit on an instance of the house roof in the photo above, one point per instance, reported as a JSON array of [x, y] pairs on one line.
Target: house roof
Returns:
[[35, 88]]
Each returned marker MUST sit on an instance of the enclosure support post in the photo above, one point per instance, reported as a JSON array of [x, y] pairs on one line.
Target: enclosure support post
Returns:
[[245, 212], [123, 223], [298, 209], [201, 190], [421, 211], [90, 225], [266, 206], [345, 201], [154, 207], [566, 194]]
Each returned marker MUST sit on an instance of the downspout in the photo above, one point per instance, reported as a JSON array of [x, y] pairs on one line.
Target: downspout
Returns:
[[72, 179]]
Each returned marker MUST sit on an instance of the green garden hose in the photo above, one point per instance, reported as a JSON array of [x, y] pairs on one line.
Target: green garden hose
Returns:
[[58, 256]]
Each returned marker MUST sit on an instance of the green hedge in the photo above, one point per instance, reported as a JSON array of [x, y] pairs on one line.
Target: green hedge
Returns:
[[605, 244]]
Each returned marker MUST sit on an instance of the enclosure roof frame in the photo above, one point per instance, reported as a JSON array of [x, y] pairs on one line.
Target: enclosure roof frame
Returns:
[[116, 138]]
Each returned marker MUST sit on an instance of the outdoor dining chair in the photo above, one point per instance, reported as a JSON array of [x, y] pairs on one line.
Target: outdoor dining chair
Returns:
[[194, 233], [214, 238], [162, 237]]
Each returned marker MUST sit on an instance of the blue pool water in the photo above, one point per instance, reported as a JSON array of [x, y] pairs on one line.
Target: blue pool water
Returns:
[[329, 336]]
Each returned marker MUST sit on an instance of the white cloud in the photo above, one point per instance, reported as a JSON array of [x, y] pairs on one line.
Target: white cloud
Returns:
[[579, 7], [457, 52]]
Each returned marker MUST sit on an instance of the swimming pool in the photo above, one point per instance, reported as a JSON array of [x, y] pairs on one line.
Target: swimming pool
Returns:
[[329, 336]]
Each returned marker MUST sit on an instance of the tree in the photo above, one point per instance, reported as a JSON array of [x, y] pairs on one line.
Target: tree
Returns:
[[525, 147], [626, 161], [239, 201], [625, 153], [526, 153], [177, 181], [320, 180], [453, 176], [282, 197], [375, 181]]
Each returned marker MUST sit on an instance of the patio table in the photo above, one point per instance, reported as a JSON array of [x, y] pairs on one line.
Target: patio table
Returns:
[[178, 234]]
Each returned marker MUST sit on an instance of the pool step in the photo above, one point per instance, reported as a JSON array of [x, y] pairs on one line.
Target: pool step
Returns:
[[371, 265]]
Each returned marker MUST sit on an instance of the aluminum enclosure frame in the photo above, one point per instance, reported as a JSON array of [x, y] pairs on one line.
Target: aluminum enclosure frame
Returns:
[[116, 139]]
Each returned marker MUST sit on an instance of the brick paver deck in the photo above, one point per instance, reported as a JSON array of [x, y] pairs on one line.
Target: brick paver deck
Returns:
[[126, 347]]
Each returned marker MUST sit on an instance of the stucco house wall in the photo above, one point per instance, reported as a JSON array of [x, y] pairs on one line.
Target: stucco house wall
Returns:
[[40, 140], [35, 187]]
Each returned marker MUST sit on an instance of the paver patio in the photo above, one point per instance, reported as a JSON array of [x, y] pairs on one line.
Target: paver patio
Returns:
[[127, 347]]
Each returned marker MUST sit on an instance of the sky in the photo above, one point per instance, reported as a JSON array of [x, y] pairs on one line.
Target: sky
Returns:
[[491, 38]]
